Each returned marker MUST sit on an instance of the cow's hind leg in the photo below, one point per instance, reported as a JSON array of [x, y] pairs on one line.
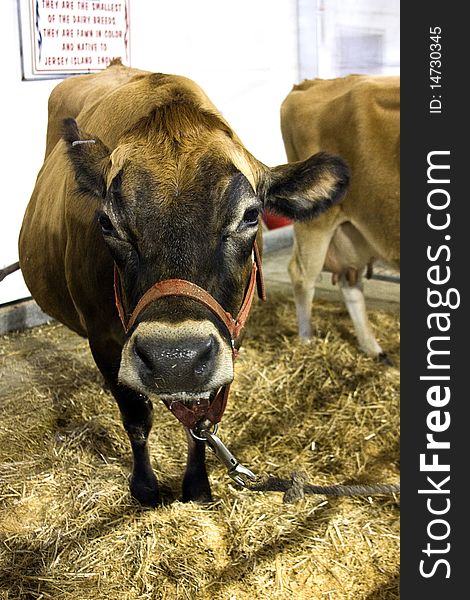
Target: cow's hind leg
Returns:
[[196, 485], [310, 248], [353, 296], [136, 413]]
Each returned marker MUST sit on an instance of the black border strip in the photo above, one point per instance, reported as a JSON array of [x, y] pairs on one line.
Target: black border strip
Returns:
[[424, 132]]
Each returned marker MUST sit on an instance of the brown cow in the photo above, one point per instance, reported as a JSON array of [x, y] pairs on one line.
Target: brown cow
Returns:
[[356, 117], [149, 191]]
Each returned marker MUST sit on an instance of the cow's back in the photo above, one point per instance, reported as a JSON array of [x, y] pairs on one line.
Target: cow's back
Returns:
[[340, 114], [356, 117]]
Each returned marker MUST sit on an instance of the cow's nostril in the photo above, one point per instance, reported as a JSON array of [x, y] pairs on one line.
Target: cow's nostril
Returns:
[[142, 354], [205, 356]]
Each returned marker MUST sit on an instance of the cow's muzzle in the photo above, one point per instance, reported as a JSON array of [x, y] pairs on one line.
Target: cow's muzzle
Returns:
[[188, 362], [186, 365]]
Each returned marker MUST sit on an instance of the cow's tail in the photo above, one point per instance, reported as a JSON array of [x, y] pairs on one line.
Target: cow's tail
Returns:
[[9, 270]]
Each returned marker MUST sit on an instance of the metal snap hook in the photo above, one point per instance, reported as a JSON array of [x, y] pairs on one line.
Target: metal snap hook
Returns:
[[202, 431], [235, 470]]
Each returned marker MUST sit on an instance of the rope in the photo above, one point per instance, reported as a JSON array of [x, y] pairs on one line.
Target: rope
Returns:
[[296, 487], [8, 270]]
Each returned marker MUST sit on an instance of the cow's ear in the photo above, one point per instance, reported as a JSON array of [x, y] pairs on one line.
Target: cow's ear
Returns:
[[89, 158], [303, 190]]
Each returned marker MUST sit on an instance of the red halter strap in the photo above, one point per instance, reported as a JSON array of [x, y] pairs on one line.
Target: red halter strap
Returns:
[[189, 417], [182, 287]]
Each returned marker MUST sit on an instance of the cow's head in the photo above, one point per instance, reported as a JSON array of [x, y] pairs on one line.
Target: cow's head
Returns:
[[181, 198]]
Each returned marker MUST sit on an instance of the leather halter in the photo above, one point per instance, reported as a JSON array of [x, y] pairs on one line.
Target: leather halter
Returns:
[[200, 411]]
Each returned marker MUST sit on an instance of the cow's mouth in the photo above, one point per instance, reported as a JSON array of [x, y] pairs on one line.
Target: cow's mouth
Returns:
[[189, 399], [197, 409]]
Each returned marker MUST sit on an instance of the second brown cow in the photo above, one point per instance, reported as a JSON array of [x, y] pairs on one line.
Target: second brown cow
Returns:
[[357, 117]]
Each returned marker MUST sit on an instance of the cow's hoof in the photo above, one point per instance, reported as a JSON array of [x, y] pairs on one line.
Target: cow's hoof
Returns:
[[384, 359], [146, 492], [197, 493], [205, 498]]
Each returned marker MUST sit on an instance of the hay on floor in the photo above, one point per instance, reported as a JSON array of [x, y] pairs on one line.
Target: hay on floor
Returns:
[[69, 529]]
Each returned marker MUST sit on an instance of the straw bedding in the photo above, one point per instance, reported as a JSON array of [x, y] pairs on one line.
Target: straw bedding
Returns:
[[69, 529]]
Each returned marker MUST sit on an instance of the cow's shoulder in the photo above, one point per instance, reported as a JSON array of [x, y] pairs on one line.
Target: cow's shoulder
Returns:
[[112, 114], [110, 102], [76, 91]]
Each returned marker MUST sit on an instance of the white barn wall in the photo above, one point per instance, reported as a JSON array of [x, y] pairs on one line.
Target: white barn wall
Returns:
[[24, 108], [336, 17], [244, 54]]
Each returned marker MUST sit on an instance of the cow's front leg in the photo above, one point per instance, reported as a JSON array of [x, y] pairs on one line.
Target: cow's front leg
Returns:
[[136, 411], [196, 485]]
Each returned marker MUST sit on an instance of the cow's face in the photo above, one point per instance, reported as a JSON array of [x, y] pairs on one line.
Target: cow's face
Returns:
[[186, 205]]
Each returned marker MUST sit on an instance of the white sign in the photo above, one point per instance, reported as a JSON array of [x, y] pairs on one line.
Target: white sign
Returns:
[[62, 37]]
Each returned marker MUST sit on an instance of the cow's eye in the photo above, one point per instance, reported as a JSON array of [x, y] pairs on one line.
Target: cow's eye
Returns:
[[250, 218], [105, 224]]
